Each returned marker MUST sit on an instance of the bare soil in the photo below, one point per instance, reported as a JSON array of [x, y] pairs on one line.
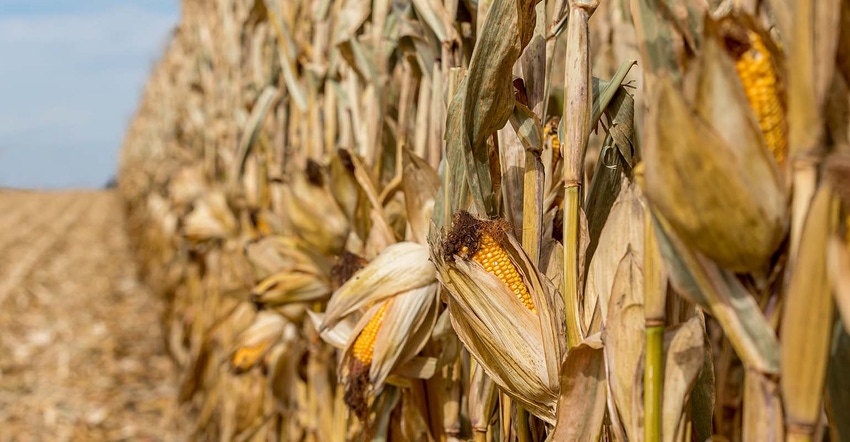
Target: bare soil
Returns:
[[81, 350]]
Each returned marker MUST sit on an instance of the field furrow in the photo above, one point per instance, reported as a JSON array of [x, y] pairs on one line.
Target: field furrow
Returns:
[[32, 224], [81, 357]]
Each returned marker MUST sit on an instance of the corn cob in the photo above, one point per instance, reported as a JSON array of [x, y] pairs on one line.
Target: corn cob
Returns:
[[755, 69], [495, 260], [364, 346], [478, 240], [246, 357]]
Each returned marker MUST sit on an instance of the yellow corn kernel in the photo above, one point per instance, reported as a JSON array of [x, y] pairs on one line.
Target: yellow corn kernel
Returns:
[[550, 131], [364, 346], [264, 227], [246, 357], [495, 260], [760, 84]]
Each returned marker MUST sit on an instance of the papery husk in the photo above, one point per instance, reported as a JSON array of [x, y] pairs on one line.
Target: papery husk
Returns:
[[254, 343], [273, 254], [623, 232], [405, 331], [685, 354], [313, 215], [290, 286], [728, 203], [406, 328], [338, 335], [211, 218], [516, 348], [720, 98], [584, 390], [624, 341], [702, 282], [399, 268]]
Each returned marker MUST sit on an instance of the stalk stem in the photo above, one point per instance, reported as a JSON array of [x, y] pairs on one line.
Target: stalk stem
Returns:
[[523, 430], [571, 244], [655, 303], [653, 379], [798, 437], [578, 102]]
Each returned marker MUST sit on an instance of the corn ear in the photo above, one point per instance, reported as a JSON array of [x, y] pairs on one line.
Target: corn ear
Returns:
[[516, 347], [364, 345], [492, 256], [399, 268], [211, 218], [729, 203], [254, 343], [758, 75], [311, 212]]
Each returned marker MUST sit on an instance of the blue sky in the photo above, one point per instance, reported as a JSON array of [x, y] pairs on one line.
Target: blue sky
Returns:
[[71, 75]]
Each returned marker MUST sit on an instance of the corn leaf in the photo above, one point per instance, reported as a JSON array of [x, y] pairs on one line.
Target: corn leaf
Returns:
[[581, 404]]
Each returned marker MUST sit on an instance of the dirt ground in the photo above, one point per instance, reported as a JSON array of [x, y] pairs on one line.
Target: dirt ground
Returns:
[[81, 350]]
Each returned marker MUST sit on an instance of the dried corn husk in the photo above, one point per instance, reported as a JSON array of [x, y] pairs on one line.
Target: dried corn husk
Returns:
[[515, 346]]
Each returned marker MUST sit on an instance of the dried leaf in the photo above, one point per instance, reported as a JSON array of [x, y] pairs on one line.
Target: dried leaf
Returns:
[[399, 268], [763, 415], [484, 101], [703, 283], [584, 388], [420, 184], [838, 262], [683, 364], [807, 320], [623, 233], [624, 340]]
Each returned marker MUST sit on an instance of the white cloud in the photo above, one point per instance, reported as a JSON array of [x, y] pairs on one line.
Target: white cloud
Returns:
[[69, 82]]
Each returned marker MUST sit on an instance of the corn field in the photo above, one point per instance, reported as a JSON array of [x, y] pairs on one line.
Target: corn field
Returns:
[[501, 220]]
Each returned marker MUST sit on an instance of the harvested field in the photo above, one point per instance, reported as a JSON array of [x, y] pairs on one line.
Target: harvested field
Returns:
[[81, 353]]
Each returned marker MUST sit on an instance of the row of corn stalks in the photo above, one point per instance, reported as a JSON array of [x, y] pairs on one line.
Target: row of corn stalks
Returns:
[[501, 220]]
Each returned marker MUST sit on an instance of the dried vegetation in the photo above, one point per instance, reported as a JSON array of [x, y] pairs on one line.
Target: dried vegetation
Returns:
[[501, 220]]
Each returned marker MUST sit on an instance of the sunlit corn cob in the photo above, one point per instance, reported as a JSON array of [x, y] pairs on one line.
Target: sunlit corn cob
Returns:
[[495, 260], [364, 346], [253, 343], [757, 74], [246, 357], [479, 238], [486, 315]]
